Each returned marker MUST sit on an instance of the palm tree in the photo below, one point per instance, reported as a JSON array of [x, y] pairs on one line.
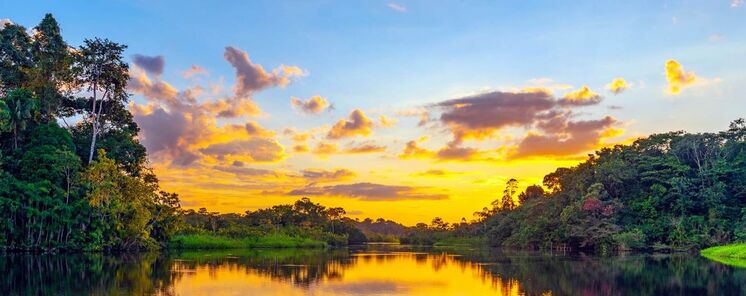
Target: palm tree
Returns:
[[21, 106]]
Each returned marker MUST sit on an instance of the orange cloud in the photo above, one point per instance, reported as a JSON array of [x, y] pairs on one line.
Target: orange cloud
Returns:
[[617, 86], [300, 148], [677, 78], [325, 149], [232, 107], [369, 191], [252, 150], [140, 83], [385, 121], [357, 125], [413, 150], [562, 137], [319, 175], [313, 105], [254, 129], [453, 151], [180, 127], [581, 97], [365, 147]]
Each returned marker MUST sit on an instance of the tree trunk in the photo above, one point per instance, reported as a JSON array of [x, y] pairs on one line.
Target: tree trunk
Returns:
[[94, 124]]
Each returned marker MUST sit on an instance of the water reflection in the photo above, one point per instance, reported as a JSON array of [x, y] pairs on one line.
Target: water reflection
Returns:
[[372, 270]]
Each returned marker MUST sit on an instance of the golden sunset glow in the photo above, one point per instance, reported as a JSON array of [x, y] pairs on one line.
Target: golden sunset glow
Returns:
[[388, 274]]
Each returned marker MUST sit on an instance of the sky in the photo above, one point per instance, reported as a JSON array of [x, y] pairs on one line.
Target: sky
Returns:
[[404, 110]]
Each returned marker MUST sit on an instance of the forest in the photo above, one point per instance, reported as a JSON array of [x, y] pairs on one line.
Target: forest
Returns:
[[79, 186]]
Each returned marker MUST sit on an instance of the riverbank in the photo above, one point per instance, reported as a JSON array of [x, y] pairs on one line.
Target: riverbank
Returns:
[[734, 254], [461, 241], [203, 241]]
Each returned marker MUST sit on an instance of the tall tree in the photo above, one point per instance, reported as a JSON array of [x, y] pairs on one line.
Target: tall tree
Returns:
[[507, 201], [103, 73], [51, 73]]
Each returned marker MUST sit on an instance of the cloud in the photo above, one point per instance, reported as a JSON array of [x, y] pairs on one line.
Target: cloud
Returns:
[[365, 147], [385, 121], [453, 151], [736, 3], [175, 125], [397, 7], [581, 97], [313, 105], [300, 148], [164, 132], [194, 70], [413, 150], [562, 136], [325, 148], [255, 149], [318, 175], [369, 192], [140, 83], [254, 129], [357, 125], [432, 172], [232, 107], [617, 86], [252, 77], [480, 115], [240, 170], [677, 78], [152, 65], [435, 173], [422, 113]]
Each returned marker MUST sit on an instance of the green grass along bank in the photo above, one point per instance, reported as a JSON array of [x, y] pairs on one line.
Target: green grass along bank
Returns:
[[733, 254], [206, 241]]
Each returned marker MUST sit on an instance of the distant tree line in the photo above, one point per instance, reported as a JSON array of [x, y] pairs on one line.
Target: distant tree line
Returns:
[[302, 218], [84, 185]]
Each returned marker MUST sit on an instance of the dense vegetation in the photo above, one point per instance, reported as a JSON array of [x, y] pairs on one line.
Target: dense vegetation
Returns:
[[672, 191], [85, 185], [303, 223]]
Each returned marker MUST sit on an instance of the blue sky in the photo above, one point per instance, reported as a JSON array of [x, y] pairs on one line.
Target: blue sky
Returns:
[[387, 56]]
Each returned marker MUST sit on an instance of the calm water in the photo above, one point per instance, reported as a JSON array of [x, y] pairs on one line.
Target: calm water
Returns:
[[370, 270]]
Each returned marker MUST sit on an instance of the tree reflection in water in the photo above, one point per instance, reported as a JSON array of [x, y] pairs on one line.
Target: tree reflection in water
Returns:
[[373, 269]]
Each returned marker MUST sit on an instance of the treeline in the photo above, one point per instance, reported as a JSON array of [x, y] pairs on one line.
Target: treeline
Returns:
[[84, 186], [672, 191], [303, 219]]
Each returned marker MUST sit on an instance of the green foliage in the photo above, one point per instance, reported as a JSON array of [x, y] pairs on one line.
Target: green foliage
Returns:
[[50, 199], [674, 191], [302, 219]]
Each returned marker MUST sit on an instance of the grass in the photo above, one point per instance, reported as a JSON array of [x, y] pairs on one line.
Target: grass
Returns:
[[204, 241], [734, 254]]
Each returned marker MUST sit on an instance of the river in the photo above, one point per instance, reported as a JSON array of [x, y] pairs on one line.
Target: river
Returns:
[[367, 270]]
